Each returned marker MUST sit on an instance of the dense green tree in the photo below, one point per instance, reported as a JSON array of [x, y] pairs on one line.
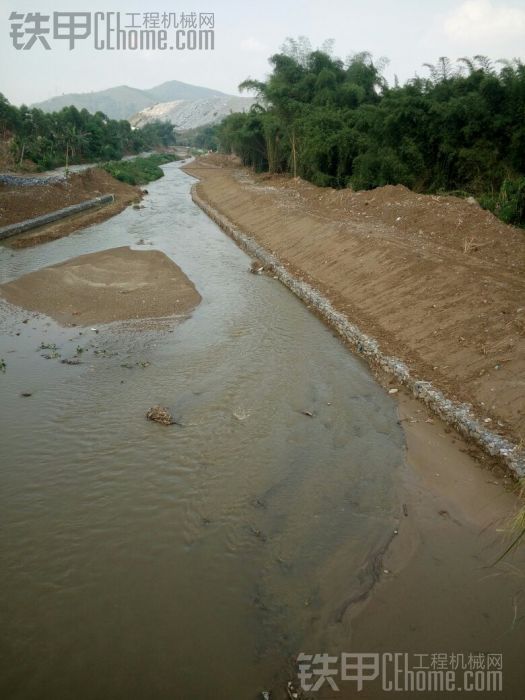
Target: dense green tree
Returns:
[[73, 136]]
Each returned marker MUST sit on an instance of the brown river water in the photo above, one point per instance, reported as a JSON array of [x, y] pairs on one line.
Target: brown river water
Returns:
[[192, 561]]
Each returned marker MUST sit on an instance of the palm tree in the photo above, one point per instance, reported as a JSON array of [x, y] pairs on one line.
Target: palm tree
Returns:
[[73, 140]]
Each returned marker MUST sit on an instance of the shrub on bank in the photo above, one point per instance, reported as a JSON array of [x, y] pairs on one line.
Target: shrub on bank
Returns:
[[509, 202], [139, 171]]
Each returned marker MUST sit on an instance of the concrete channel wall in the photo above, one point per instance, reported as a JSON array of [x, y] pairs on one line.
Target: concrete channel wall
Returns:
[[458, 415], [28, 224]]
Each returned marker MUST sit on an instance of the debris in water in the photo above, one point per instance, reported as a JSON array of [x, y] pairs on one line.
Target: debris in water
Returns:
[[256, 267], [405, 510], [26, 393], [240, 414], [129, 365], [393, 391], [161, 415], [258, 533], [71, 361], [307, 413], [265, 694]]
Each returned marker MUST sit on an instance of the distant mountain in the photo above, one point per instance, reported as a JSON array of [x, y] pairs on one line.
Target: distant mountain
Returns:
[[174, 90], [190, 114], [123, 101]]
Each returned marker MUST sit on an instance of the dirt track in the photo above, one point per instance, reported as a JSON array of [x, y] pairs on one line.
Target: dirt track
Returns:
[[436, 280]]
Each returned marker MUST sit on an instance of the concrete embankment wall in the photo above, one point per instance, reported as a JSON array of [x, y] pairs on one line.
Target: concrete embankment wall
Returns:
[[456, 414], [28, 224]]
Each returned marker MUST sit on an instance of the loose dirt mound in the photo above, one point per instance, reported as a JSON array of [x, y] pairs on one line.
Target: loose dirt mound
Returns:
[[20, 203], [113, 285], [448, 222], [438, 281]]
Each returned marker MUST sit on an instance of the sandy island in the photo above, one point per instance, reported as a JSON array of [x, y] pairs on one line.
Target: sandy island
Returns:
[[112, 285]]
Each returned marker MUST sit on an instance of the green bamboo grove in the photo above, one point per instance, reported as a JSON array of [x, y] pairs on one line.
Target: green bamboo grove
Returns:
[[460, 129]]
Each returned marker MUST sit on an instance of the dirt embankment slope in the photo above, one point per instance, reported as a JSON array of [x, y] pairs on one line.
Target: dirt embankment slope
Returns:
[[18, 203], [436, 280]]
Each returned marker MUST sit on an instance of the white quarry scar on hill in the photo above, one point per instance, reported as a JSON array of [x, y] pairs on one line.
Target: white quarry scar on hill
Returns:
[[190, 114]]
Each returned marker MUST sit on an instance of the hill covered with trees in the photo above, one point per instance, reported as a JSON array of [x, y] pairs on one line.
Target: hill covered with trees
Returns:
[[123, 101], [459, 130]]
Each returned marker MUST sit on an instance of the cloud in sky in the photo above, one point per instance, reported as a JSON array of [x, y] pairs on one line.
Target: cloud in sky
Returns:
[[251, 44], [479, 20]]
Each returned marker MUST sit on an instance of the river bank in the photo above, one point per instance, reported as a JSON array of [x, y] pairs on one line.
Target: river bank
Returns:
[[18, 203], [398, 266], [24, 197]]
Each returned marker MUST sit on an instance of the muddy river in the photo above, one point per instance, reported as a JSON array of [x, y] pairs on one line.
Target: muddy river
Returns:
[[196, 560]]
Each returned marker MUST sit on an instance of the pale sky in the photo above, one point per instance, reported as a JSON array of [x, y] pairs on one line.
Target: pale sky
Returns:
[[408, 32]]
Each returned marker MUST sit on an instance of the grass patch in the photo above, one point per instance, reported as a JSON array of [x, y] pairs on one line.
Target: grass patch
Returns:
[[139, 171], [509, 203]]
